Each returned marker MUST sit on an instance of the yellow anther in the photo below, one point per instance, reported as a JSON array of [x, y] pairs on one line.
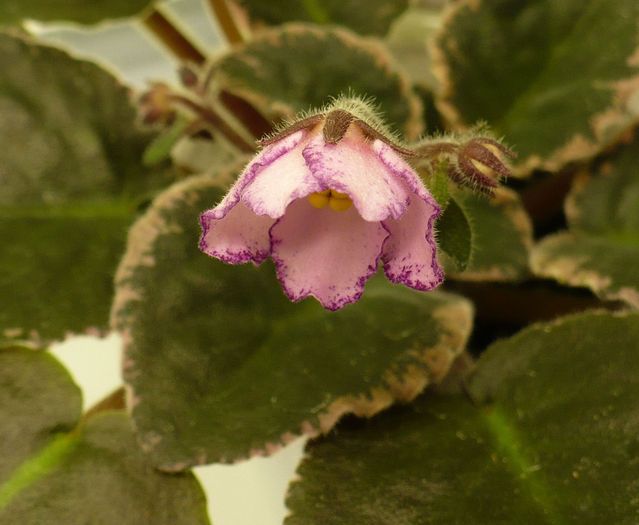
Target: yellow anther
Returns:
[[319, 200], [340, 204], [338, 195], [334, 199]]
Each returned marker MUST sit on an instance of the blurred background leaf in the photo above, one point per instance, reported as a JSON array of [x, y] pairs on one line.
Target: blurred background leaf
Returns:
[[15, 11], [54, 472], [278, 73], [537, 73], [601, 248], [362, 16], [72, 180]]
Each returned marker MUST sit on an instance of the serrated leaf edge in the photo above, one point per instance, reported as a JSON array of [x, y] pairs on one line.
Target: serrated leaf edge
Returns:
[[608, 126], [573, 271]]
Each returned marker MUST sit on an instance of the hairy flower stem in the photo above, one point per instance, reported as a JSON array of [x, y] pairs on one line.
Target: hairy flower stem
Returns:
[[209, 116], [164, 30], [226, 21]]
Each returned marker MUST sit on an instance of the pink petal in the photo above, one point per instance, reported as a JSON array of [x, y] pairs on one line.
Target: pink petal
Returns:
[[280, 183], [403, 171], [410, 250], [261, 161], [231, 231], [353, 167], [325, 254], [239, 237]]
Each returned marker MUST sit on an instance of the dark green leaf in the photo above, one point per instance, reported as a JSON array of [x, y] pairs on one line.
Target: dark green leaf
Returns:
[[455, 235], [57, 472], [552, 440], [501, 237], [14, 11], [38, 400], [279, 73], [409, 40], [601, 249], [537, 72], [71, 182], [222, 366], [363, 16], [97, 474]]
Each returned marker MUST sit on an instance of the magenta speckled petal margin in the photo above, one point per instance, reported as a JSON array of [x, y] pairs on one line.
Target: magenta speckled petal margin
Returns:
[[320, 253], [209, 218]]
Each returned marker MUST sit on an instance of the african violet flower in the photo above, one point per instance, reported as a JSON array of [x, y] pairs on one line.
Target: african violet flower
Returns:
[[327, 199]]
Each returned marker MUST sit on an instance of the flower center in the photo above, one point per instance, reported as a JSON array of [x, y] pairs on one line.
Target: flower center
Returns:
[[335, 200]]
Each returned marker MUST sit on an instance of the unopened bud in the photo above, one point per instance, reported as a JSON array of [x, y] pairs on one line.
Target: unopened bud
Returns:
[[337, 118], [481, 164], [478, 163]]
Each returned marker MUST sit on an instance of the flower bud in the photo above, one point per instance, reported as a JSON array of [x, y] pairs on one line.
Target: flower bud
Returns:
[[478, 163], [329, 199], [337, 118]]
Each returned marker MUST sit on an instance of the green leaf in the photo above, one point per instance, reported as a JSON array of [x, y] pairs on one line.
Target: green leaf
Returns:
[[501, 237], [279, 74], [71, 183], [538, 74], [99, 475], [362, 16], [601, 248], [437, 181], [14, 12], [550, 438], [455, 234], [221, 365], [38, 400], [160, 148], [54, 471], [409, 40]]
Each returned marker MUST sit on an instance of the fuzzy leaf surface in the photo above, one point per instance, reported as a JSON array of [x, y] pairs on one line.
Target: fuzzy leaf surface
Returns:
[[222, 366], [550, 438], [279, 73], [501, 237], [71, 182], [537, 73], [601, 248], [362, 16], [455, 234], [14, 12]]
